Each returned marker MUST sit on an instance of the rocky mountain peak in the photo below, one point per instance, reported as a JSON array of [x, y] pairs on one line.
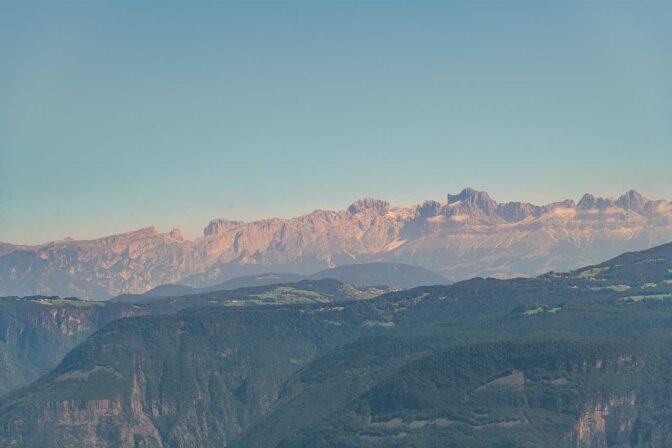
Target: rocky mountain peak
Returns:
[[145, 231], [464, 195], [470, 199], [590, 202], [517, 211], [632, 200], [587, 201], [448, 237], [429, 208], [176, 234], [216, 226], [369, 204]]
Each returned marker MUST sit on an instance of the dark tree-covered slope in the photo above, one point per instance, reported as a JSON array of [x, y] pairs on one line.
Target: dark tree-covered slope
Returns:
[[36, 332], [567, 360]]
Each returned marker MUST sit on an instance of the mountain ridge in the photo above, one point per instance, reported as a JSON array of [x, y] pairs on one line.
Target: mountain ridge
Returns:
[[466, 235], [393, 275]]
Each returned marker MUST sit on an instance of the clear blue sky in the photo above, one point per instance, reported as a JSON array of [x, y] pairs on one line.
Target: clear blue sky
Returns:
[[117, 115]]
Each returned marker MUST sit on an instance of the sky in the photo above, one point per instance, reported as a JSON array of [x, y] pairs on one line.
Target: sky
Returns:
[[123, 114]]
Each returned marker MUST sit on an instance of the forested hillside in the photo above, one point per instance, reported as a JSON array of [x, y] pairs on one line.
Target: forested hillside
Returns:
[[575, 360]]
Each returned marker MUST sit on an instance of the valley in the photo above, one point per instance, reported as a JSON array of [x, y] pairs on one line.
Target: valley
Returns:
[[484, 362], [252, 224]]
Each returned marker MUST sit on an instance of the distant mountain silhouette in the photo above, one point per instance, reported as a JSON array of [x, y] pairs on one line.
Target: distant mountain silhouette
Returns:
[[469, 234], [394, 275]]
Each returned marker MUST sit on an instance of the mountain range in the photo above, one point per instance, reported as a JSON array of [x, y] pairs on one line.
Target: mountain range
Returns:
[[580, 359], [466, 235]]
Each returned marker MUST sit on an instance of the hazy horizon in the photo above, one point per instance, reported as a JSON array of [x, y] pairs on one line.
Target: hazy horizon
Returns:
[[117, 116], [196, 229]]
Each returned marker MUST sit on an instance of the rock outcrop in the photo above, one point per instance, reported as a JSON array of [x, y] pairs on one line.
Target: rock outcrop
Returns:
[[35, 333], [470, 234]]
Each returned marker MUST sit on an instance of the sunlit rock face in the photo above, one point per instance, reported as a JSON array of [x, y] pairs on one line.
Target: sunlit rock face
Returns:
[[469, 234]]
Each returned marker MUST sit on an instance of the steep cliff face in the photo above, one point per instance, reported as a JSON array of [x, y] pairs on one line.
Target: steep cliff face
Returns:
[[35, 333], [469, 234], [568, 360], [606, 421], [554, 361], [174, 389], [188, 380]]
